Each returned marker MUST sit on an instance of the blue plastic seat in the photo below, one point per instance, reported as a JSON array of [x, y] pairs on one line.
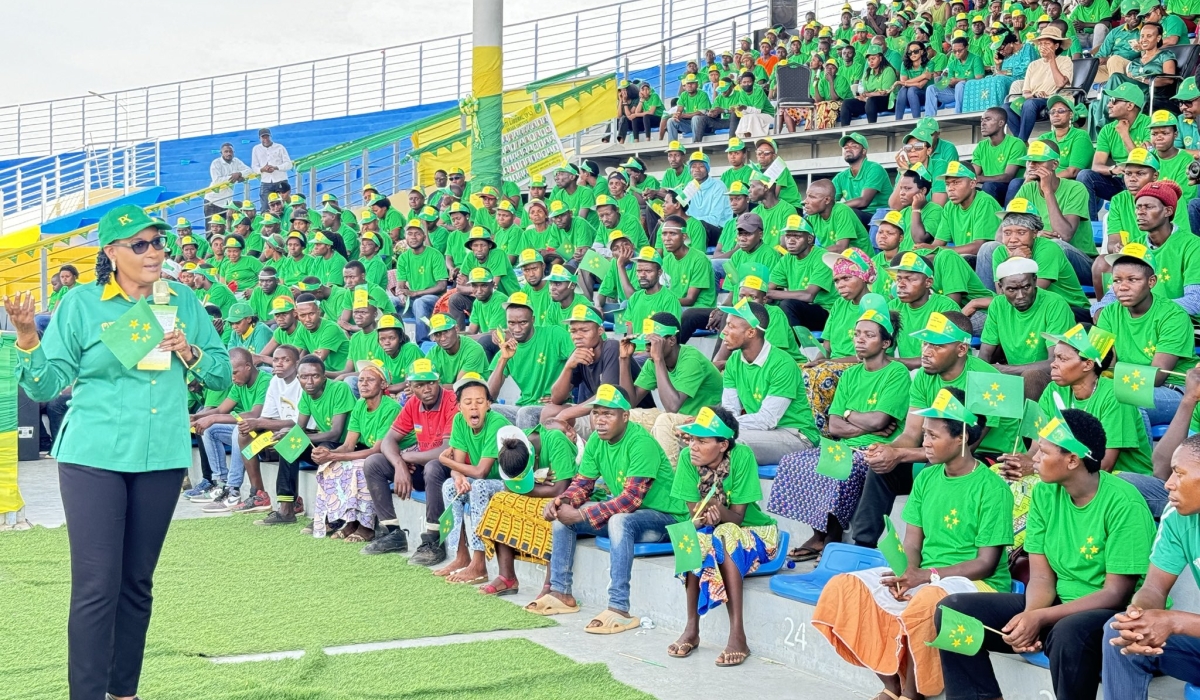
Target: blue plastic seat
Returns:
[[608, 326], [306, 466], [1089, 291], [837, 559], [703, 333], [1157, 431], [1098, 232], [418, 496], [1191, 692], [817, 334], [975, 342], [642, 549], [1037, 658], [767, 471], [779, 560], [427, 346]]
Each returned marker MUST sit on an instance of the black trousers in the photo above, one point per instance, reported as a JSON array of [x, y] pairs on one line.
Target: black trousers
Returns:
[[693, 319], [379, 472], [1072, 645], [802, 313], [855, 107], [712, 234], [266, 188], [878, 497], [116, 524], [287, 479], [460, 308], [205, 467]]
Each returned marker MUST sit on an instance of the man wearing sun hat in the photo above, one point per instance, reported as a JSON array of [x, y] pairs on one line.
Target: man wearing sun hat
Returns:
[[1112, 146], [1064, 203], [691, 112]]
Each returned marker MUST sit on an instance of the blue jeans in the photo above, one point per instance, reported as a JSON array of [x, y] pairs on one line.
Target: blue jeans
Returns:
[[1003, 192], [936, 97], [1100, 188], [912, 97], [41, 321], [214, 440], [1153, 490], [422, 307], [1194, 215], [697, 126], [1021, 125], [623, 530], [1128, 677], [1166, 404], [352, 382]]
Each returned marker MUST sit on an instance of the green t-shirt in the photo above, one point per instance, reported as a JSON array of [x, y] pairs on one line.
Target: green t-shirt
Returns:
[[498, 265], [1108, 141], [1112, 534], [537, 363], [1072, 198], [694, 375], [372, 426], [1123, 426], [970, 69], [885, 390], [335, 400], [218, 295], [1177, 546], [291, 271], [329, 336], [328, 270], [842, 224], [299, 337], [1002, 432], [695, 270], [554, 314], [1075, 149], [1052, 265], [478, 445], [245, 398], [469, 358], [421, 270], [642, 306], [260, 335], [1175, 170], [260, 302], [581, 235], [958, 515], [741, 486], [490, 315], [765, 254], [635, 454], [797, 274], [994, 160], [1019, 333], [1177, 261], [339, 300], [839, 327], [774, 219], [871, 176], [777, 375], [558, 453], [398, 365], [698, 102], [914, 320], [931, 219], [1165, 328], [975, 223], [952, 275], [363, 346], [741, 175], [243, 273]]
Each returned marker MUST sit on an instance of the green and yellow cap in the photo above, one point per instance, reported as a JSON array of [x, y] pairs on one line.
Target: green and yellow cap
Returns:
[[415, 223], [675, 146], [698, 157], [609, 397], [737, 188], [370, 236], [366, 216], [240, 311], [458, 208], [1128, 92], [735, 144], [479, 233], [582, 313], [707, 425], [1138, 251], [754, 275], [1039, 152], [939, 331], [421, 370], [604, 200], [361, 298], [617, 234], [855, 137], [1019, 205], [558, 273], [797, 224], [506, 205], [479, 275], [742, 310], [883, 318], [217, 219], [440, 322], [1142, 157], [385, 374], [274, 197], [1187, 89], [558, 208], [956, 169], [188, 240], [529, 256], [231, 242], [307, 286], [270, 219], [1057, 432], [946, 407], [1092, 346], [689, 78], [648, 254], [1161, 117], [911, 262], [127, 221], [468, 379], [297, 235], [320, 237], [537, 180], [427, 213], [328, 209], [519, 299], [489, 191], [247, 205], [282, 304], [895, 218], [388, 321]]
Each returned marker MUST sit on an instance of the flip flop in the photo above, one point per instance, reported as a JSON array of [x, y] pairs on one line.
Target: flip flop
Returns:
[[803, 554], [448, 573], [681, 650], [732, 658], [355, 537], [549, 605], [612, 623], [471, 582]]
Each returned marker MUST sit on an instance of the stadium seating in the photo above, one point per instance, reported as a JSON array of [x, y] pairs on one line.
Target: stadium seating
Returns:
[[837, 558]]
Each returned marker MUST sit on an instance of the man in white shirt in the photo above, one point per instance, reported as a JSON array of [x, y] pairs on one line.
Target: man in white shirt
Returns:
[[280, 409], [226, 169], [272, 162]]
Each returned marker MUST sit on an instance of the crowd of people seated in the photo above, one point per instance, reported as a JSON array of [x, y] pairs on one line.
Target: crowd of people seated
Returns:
[[863, 328]]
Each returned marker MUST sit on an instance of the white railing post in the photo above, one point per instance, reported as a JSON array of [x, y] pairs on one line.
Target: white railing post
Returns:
[[83, 118], [312, 185], [347, 86], [420, 71], [458, 73], [51, 127], [535, 50], [383, 81], [146, 113], [278, 95], [312, 95], [87, 181], [575, 43], [157, 164], [246, 101], [179, 111], [18, 128], [212, 106]]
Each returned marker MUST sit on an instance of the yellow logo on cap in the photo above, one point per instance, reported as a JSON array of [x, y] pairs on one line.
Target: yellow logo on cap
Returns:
[[705, 417], [937, 323], [675, 145], [753, 282], [1020, 205], [478, 232], [557, 207], [1037, 148], [578, 312], [942, 401], [479, 274], [1135, 250], [558, 270], [520, 298], [735, 142], [954, 168], [413, 223], [870, 315], [793, 222], [738, 187], [361, 299], [1161, 115], [1139, 155], [528, 256], [606, 392], [422, 365], [125, 219], [894, 217], [647, 325], [471, 375], [909, 259], [279, 302]]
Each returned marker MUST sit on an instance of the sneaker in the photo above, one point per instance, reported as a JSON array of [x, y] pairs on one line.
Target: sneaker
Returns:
[[430, 552], [276, 519], [228, 503], [216, 493], [260, 502], [394, 541], [199, 488]]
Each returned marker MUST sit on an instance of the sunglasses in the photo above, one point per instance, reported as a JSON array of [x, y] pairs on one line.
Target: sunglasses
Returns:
[[139, 247], [915, 51]]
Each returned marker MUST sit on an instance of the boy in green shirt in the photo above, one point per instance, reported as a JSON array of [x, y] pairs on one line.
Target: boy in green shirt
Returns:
[[421, 275], [996, 159], [801, 283], [454, 354], [532, 356]]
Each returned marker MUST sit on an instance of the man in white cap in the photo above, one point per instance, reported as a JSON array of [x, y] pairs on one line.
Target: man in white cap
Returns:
[[1012, 340]]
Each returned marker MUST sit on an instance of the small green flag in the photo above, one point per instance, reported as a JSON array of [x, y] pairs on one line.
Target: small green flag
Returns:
[[806, 338], [292, 444], [132, 336], [892, 549], [445, 524], [1134, 384], [994, 394], [1032, 420], [959, 633], [836, 460], [595, 263], [686, 543]]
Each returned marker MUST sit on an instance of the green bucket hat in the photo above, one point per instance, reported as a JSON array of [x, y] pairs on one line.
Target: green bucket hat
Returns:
[[609, 397], [1128, 92], [239, 312], [127, 221], [479, 233], [939, 331], [707, 424], [946, 407], [742, 310], [911, 262], [1092, 346]]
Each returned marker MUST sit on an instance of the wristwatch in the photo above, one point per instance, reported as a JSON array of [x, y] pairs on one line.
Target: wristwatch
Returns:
[[933, 575], [846, 415]]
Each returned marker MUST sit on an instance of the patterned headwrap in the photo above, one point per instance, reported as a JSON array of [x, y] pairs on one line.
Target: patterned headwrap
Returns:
[[844, 266]]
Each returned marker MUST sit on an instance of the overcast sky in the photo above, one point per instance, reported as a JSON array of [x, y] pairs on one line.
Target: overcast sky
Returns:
[[66, 48]]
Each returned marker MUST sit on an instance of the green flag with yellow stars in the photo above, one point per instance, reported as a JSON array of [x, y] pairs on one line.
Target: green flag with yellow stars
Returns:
[[132, 336], [445, 524], [595, 263], [836, 460], [892, 549], [1134, 384], [960, 633], [292, 444], [1032, 420], [999, 395], [685, 542], [806, 338]]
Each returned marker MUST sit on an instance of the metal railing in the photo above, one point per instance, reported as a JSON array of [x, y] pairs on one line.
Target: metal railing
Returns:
[[389, 78], [40, 189]]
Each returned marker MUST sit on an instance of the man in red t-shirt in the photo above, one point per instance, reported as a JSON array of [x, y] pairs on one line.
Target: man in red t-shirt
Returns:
[[427, 414]]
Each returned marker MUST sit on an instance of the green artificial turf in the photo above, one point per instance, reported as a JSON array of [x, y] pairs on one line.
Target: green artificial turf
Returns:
[[224, 587]]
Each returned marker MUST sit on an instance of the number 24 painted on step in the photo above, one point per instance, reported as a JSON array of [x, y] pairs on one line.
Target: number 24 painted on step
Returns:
[[796, 634]]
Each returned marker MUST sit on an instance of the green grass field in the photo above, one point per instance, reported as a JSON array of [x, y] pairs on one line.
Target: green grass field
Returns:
[[226, 587]]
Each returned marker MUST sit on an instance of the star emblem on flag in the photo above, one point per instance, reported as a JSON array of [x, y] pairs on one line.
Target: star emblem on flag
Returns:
[[686, 544]]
